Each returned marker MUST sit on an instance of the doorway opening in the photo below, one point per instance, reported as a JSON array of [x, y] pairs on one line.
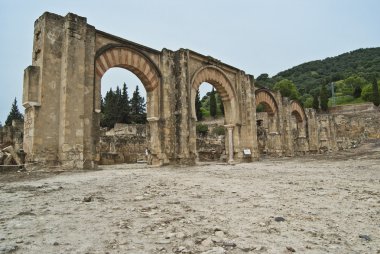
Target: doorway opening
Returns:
[[210, 128], [123, 119]]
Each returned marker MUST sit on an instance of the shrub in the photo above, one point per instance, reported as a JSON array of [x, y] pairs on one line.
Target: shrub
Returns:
[[202, 129], [218, 130]]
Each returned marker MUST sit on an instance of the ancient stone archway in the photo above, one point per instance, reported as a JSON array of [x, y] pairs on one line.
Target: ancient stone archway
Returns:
[[142, 66], [134, 61], [222, 84], [216, 77], [299, 127], [268, 129], [62, 96], [265, 97], [297, 110]]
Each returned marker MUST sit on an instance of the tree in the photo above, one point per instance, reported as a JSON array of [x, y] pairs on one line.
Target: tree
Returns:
[[109, 114], [375, 89], [262, 77], [14, 114], [315, 102], [263, 80], [351, 86], [212, 104], [221, 105], [137, 112], [118, 105], [357, 92], [324, 98], [367, 93], [125, 108], [198, 105], [287, 89]]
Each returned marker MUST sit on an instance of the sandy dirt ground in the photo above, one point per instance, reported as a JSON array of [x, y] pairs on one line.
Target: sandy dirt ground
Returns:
[[313, 204]]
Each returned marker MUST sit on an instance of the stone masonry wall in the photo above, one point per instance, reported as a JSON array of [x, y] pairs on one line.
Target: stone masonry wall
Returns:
[[126, 143], [12, 135], [62, 101], [352, 129]]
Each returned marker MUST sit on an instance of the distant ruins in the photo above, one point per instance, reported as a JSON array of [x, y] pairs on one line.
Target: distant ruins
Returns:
[[62, 101]]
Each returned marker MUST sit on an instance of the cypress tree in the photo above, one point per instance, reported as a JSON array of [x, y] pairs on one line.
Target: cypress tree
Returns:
[[212, 103], [221, 106], [125, 105], [138, 114], [324, 98], [375, 89], [315, 102], [14, 114], [198, 105], [357, 92], [118, 105], [109, 117]]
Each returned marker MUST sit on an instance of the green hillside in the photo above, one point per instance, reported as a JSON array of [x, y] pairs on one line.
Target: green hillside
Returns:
[[349, 71], [308, 76]]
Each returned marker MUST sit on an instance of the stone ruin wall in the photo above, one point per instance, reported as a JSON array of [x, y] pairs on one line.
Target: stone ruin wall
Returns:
[[346, 128], [355, 128], [12, 135], [212, 147], [62, 100], [328, 133], [11, 144], [125, 143]]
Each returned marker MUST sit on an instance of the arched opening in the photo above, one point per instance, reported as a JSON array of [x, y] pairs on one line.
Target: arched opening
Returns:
[[219, 129], [124, 132], [298, 127], [210, 128], [267, 122], [133, 117]]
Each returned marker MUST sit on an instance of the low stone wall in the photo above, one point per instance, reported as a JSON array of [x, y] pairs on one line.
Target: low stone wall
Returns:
[[211, 149], [352, 128], [123, 144], [353, 108], [122, 149]]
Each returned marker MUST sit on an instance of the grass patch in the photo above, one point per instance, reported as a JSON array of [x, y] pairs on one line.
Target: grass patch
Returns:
[[346, 99]]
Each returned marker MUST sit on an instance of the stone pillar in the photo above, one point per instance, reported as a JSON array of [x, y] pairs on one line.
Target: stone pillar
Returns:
[[230, 129], [76, 87], [154, 142], [58, 92], [312, 130]]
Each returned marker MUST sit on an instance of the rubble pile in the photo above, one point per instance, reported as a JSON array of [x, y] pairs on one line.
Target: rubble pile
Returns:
[[9, 157]]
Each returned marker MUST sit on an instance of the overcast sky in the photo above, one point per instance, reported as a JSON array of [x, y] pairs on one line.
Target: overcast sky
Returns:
[[257, 36]]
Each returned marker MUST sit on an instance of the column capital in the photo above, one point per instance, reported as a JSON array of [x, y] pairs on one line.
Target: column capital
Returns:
[[229, 126], [153, 119]]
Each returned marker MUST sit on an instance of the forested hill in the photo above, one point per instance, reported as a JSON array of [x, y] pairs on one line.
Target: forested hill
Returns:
[[309, 76]]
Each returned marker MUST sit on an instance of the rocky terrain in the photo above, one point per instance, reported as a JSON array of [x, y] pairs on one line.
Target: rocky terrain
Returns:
[[314, 204]]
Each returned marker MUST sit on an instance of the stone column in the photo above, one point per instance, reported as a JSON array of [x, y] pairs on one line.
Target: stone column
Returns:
[[154, 141], [230, 128]]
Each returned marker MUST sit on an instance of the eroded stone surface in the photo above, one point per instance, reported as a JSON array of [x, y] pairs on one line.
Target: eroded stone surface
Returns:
[[62, 101]]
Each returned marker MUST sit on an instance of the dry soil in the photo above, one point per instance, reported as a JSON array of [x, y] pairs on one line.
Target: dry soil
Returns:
[[313, 204]]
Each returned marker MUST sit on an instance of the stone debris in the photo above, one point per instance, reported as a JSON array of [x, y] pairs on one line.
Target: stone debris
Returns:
[[12, 152], [9, 158], [215, 250], [365, 237], [279, 219], [88, 199]]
